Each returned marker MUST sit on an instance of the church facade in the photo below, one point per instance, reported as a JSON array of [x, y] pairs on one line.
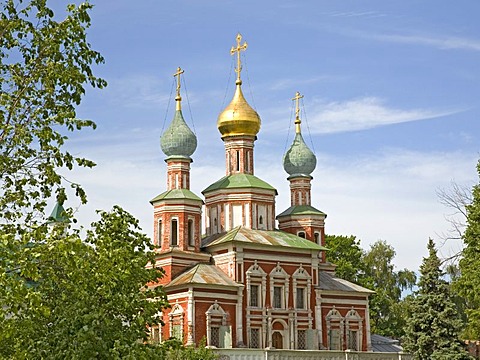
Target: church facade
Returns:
[[256, 278]]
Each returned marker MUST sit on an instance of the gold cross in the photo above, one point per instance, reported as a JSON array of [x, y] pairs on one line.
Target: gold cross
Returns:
[[237, 50], [178, 98], [297, 111]]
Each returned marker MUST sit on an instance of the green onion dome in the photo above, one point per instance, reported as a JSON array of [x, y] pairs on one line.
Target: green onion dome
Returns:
[[178, 140], [299, 159]]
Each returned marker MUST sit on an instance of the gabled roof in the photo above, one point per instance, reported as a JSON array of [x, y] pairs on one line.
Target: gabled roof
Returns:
[[176, 194], [239, 181], [261, 237], [203, 274], [328, 281], [301, 210]]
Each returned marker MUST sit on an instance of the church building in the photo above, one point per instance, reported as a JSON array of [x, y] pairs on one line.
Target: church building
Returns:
[[255, 278]]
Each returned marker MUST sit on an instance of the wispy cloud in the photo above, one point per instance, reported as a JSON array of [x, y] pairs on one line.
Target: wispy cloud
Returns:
[[361, 114], [356, 14], [440, 42]]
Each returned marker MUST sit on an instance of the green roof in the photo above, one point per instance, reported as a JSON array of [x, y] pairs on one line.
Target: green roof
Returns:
[[301, 210], [239, 181], [176, 194], [261, 237], [58, 215]]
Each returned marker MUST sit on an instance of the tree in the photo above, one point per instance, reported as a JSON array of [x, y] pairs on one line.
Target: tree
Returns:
[[374, 270], [467, 283], [346, 253], [433, 325], [386, 306], [90, 297], [63, 293], [44, 67]]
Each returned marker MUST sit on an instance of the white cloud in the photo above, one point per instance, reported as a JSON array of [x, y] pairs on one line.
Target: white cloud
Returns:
[[360, 114]]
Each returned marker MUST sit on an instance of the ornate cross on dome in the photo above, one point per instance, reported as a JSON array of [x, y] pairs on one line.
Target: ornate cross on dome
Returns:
[[237, 50], [178, 98], [297, 111]]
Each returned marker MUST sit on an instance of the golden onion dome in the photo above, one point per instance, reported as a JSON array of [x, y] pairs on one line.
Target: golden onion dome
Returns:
[[238, 118]]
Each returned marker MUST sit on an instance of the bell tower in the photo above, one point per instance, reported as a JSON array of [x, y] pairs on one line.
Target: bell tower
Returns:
[[239, 198], [301, 218], [177, 211]]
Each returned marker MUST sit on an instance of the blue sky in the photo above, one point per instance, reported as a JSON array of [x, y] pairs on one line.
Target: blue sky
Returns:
[[391, 105]]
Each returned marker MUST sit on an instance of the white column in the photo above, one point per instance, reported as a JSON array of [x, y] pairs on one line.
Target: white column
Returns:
[[239, 317], [190, 316]]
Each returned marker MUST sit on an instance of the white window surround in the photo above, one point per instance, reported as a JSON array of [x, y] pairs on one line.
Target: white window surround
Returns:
[[216, 317], [303, 280], [353, 327], [279, 278], [176, 317], [335, 328], [256, 276]]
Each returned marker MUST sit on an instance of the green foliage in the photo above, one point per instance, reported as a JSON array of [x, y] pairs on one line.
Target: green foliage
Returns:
[[433, 325], [44, 67], [89, 297], [374, 269], [387, 310], [173, 349], [467, 284], [345, 252]]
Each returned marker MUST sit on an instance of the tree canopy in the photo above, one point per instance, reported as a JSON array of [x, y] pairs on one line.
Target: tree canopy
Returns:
[[467, 284], [433, 324], [374, 269], [65, 293]]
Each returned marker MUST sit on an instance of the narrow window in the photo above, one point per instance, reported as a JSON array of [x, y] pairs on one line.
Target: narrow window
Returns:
[[191, 238], [215, 336], [174, 233], [301, 339], [300, 300], [260, 220], [301, 234], [254, 338], [334, 339], [159, 232], [254, 295], [238, 160], [277, 297], [317, 238], [353, 339]]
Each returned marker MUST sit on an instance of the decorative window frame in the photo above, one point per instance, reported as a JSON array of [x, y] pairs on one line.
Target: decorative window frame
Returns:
[[334, 321], [354, 322], [256, 276], [303, 280], [216, 317], [279, 278], [175, 318]]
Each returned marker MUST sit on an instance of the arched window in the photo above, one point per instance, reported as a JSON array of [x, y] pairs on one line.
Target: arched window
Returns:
[[301, 234], [238, 160], [174, 232], [191, 237], [317, 238], [260, 220]]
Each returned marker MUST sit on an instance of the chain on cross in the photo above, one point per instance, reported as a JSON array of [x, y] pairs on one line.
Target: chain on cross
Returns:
[[237, 50]]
